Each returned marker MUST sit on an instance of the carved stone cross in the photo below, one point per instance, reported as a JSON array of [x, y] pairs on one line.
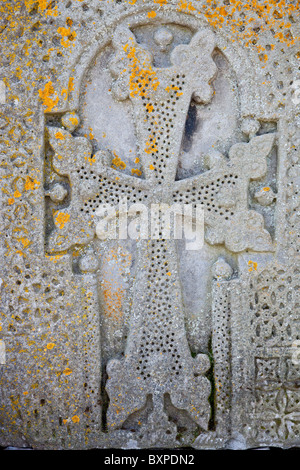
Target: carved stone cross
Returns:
[[157, 360]]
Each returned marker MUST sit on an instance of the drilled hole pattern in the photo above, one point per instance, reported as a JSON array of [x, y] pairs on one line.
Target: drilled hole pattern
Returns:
[[158, 334], [206, 195], [110, 192], [221, 346], [160, 118]]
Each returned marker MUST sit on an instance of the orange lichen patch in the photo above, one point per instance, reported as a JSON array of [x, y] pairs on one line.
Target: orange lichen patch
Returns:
[[67, 371], [41, 4], [118, 162], [246, 19], [136, 171], [151, 146], [49, 97], [17, 194], [67, 36], [61, 218], [149, 107], [266, 189], [74, 121], [252, 266], [151, 14], [59, 135], [91, 159], [11, 201], [174, 87], [183, 5], [263, 57], [151, 167], [31, 184], [50, 345], [71, 84], [168, 273], [75, 419], [25, 242], [142, 77]]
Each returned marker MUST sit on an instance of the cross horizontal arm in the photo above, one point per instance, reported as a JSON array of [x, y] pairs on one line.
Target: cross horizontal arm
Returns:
[[222, 192], [92, 183]]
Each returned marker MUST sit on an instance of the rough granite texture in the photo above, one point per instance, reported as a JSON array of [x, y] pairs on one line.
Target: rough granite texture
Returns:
[[143, 343]]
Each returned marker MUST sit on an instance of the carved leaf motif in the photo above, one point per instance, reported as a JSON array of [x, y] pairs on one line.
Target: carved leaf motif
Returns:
[[199, 50], [251, 157], [247, 232]]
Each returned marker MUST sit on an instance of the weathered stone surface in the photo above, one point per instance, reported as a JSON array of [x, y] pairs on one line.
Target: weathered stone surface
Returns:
[[132, 342]]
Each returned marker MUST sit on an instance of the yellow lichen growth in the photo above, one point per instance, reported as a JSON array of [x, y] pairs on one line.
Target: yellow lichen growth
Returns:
[[74, 121], [142, 77], [67, 36], [136, 171], [151, 14], [30, 184], [71, 84], [75, 419], [61, 218], [67, 371], [49, 97], [59, 135], [252, 266], [118, 162], [151, 146], [174, 87], [50, 345], [149, 107], [183, 5], [43, 6], [246, 21]]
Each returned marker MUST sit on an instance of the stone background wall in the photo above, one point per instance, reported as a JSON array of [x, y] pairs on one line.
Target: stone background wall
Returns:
[[66, 309]]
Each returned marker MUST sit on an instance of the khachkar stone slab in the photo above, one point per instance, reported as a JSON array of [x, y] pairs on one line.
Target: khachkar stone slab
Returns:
[[131, 341]]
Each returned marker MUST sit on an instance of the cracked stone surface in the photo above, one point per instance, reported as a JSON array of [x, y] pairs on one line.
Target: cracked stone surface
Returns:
[[143, 342]]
